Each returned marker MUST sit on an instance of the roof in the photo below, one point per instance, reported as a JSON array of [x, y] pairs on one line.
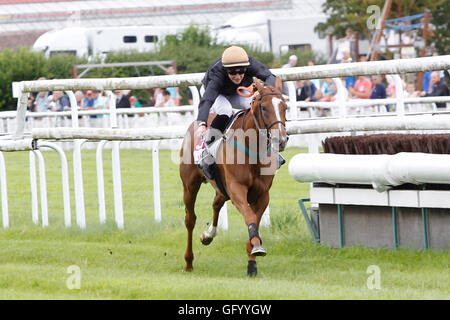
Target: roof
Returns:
[[24, 15]]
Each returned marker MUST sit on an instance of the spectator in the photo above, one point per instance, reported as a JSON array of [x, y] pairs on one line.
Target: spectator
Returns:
[[122, 100], [411, 92], [60, 101], [362, 88], [390, 90], [316, 82], [165, 117], [328, 90], [174, 91], [79, 97], [346, 58], [30, 103], [318, 96], [41, 102], [379, 89], [303, 91], [347, 42], [157, 96], [134, 102], [167, 101], [88, 101], [440, 89], [292, 62], [99, 102], [427, 86]]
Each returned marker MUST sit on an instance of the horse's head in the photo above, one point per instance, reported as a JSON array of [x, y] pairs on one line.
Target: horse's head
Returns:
[[269, 110]]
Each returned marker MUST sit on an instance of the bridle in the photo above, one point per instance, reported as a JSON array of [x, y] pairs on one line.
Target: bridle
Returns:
[[266, 127]]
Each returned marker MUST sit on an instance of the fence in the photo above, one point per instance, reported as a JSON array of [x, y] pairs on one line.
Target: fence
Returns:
[[19, 140]]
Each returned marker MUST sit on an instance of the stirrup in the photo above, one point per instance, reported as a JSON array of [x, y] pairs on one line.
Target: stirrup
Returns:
[[281, 160]]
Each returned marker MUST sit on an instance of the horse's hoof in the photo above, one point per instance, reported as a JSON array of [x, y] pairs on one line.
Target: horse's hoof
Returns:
[[188, 269], [252, 271], [205, 239], [258, 251]]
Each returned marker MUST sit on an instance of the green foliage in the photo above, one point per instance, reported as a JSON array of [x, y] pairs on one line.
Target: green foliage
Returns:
[[193, 49], [18, 66], [440, 18]]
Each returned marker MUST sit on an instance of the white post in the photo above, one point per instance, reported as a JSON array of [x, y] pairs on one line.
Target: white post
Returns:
[[21, 114], [43, 188], [78, 183], [156, 184], [33, 185], [292, 100], [73, 108], [100, 182], [400, 108], [195, 99], [65, 179], [223, 217], [117, 184], [265, 219], [5, 213], [341, 97], [112, 109]]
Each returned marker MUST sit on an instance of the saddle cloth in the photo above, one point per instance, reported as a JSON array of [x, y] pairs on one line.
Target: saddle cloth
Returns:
[[200, 145]]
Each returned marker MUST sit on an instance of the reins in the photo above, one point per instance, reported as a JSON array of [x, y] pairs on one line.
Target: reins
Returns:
[[252, 89]]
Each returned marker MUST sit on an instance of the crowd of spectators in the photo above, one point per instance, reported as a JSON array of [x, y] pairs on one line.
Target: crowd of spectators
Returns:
[[370, 87], [56, 101], [314, 90]]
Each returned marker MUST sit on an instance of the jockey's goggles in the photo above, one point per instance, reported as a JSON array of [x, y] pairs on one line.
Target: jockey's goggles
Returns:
[[236, 70]]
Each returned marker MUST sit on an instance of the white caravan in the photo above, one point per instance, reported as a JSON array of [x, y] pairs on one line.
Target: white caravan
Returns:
[[277, 35], [81, 41]]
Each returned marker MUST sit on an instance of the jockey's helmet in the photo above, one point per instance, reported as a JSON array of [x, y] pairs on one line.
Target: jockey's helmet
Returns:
[[235, 56]]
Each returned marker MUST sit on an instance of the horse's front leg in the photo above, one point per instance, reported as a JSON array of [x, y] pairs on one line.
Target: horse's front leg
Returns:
[[208, 236], [191, 188], [258, 207], [238, 195]]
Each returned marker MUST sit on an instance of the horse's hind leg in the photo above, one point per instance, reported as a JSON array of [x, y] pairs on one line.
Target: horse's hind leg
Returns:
[[190, 195], [208, 236]]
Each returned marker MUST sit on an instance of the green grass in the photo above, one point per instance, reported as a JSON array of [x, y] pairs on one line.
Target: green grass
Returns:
[[146, 259]]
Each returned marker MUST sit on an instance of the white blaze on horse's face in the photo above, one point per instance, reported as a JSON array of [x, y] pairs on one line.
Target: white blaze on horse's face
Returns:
[[276, 105], [282, 138]]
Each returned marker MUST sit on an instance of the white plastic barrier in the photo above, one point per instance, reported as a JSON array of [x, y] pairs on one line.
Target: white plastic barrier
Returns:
[[381, 171]]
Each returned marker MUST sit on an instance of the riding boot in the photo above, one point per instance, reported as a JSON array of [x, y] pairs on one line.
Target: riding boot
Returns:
[[214, 132]]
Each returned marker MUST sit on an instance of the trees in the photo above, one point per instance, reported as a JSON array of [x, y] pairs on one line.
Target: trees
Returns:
[[343, 14]]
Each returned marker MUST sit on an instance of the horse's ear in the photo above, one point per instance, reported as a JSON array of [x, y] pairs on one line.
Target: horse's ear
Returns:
[[278, 83], [258, 84]]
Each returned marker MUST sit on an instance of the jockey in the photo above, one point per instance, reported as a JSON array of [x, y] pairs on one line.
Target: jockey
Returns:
[[235, 68]]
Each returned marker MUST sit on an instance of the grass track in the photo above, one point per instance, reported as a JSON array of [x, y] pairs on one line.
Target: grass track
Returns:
[[145, 261]]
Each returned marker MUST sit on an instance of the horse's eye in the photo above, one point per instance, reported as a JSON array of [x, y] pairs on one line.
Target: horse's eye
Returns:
[[263, 108]]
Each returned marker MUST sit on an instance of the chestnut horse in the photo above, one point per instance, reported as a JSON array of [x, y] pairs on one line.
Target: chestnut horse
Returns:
[[245, 172]]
